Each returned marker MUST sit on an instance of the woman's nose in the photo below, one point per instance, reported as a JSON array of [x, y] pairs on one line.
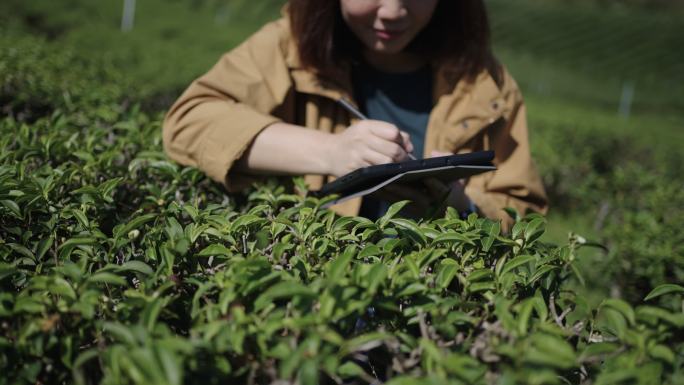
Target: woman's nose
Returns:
[[391, 9]]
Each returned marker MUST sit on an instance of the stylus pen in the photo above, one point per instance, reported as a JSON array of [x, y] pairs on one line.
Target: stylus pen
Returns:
[[358, 114]]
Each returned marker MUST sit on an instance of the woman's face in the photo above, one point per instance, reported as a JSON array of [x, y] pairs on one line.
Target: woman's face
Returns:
[[387, 26]]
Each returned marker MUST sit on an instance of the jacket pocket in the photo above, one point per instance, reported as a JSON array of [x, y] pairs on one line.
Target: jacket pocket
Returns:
[[470, 133]]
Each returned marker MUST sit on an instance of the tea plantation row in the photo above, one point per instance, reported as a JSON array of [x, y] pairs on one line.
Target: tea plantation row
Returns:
[[118, 266]]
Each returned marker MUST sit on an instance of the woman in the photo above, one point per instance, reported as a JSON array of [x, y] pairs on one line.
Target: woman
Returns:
[[422, 70]]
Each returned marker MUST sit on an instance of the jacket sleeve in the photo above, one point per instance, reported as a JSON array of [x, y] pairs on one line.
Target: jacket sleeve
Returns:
[[516, 182], [217, 117]]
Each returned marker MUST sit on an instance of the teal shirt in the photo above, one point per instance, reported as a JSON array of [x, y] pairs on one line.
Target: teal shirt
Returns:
[[403, 99]]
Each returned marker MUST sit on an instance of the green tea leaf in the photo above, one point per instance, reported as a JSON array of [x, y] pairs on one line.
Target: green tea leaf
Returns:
[[517, 262], [411, 289], [21, 250], [375, 277], [60, 286], [109, 278], [446, 275], [13, 207], [479, 274], [288, 289], [369, 251], [120, 332], [613, 322], [524, 315], [6, 270], [513, 213], [67, 247], [598, 349], [28, 305], [215, 249], [453, 238], [138, 266], [410, 228], [81, 218], [364, 342], [652, 313], [541, 272], [664, 289], [550, 351], [308, 373], [246, 221], [621, 306], [481, 286], [122, 231], [350, 370], [663, 353], [391, 213], [43, 247], [534, 229]]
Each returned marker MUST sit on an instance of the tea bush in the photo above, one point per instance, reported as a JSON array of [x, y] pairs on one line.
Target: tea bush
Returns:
[[171, 42], [634, 198], [613, 173], [118, 266], [39, 78]]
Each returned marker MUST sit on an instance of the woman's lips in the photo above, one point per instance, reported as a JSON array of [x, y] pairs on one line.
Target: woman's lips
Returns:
[[384, 34]]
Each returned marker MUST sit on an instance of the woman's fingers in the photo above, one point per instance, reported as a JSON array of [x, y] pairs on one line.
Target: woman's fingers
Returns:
[[390, 149], [384, 130], [367, 143], [436, 153], [391, 133], [406, 139], [375, 157]]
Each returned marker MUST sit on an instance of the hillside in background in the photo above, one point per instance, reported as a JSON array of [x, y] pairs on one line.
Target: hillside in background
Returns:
[[582, 51]]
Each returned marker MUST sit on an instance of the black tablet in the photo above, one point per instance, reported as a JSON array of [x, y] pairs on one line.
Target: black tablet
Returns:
[[446, 168]]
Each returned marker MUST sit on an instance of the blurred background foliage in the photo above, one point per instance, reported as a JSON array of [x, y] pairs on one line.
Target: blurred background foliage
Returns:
[[603, 80]]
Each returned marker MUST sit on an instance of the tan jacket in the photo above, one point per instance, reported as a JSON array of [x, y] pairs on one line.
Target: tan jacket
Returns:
[[262, 81]]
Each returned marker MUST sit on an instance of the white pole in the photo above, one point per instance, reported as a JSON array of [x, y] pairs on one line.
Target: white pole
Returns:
[[626, 99], [128, 16]]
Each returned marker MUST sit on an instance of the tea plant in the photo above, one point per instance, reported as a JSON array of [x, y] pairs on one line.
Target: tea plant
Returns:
[[118, 266], [633, 199]]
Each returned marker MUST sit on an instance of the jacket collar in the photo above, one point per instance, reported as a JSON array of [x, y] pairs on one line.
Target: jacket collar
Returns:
[[307, 81]]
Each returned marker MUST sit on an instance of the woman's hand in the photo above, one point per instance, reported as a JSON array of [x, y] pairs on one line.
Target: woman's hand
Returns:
[[366, 143]]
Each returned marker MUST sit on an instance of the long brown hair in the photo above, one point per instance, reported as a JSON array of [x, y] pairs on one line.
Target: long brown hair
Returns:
[[458, 35]]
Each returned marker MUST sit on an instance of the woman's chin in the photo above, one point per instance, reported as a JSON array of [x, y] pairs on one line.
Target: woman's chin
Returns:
[[385, 48]]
